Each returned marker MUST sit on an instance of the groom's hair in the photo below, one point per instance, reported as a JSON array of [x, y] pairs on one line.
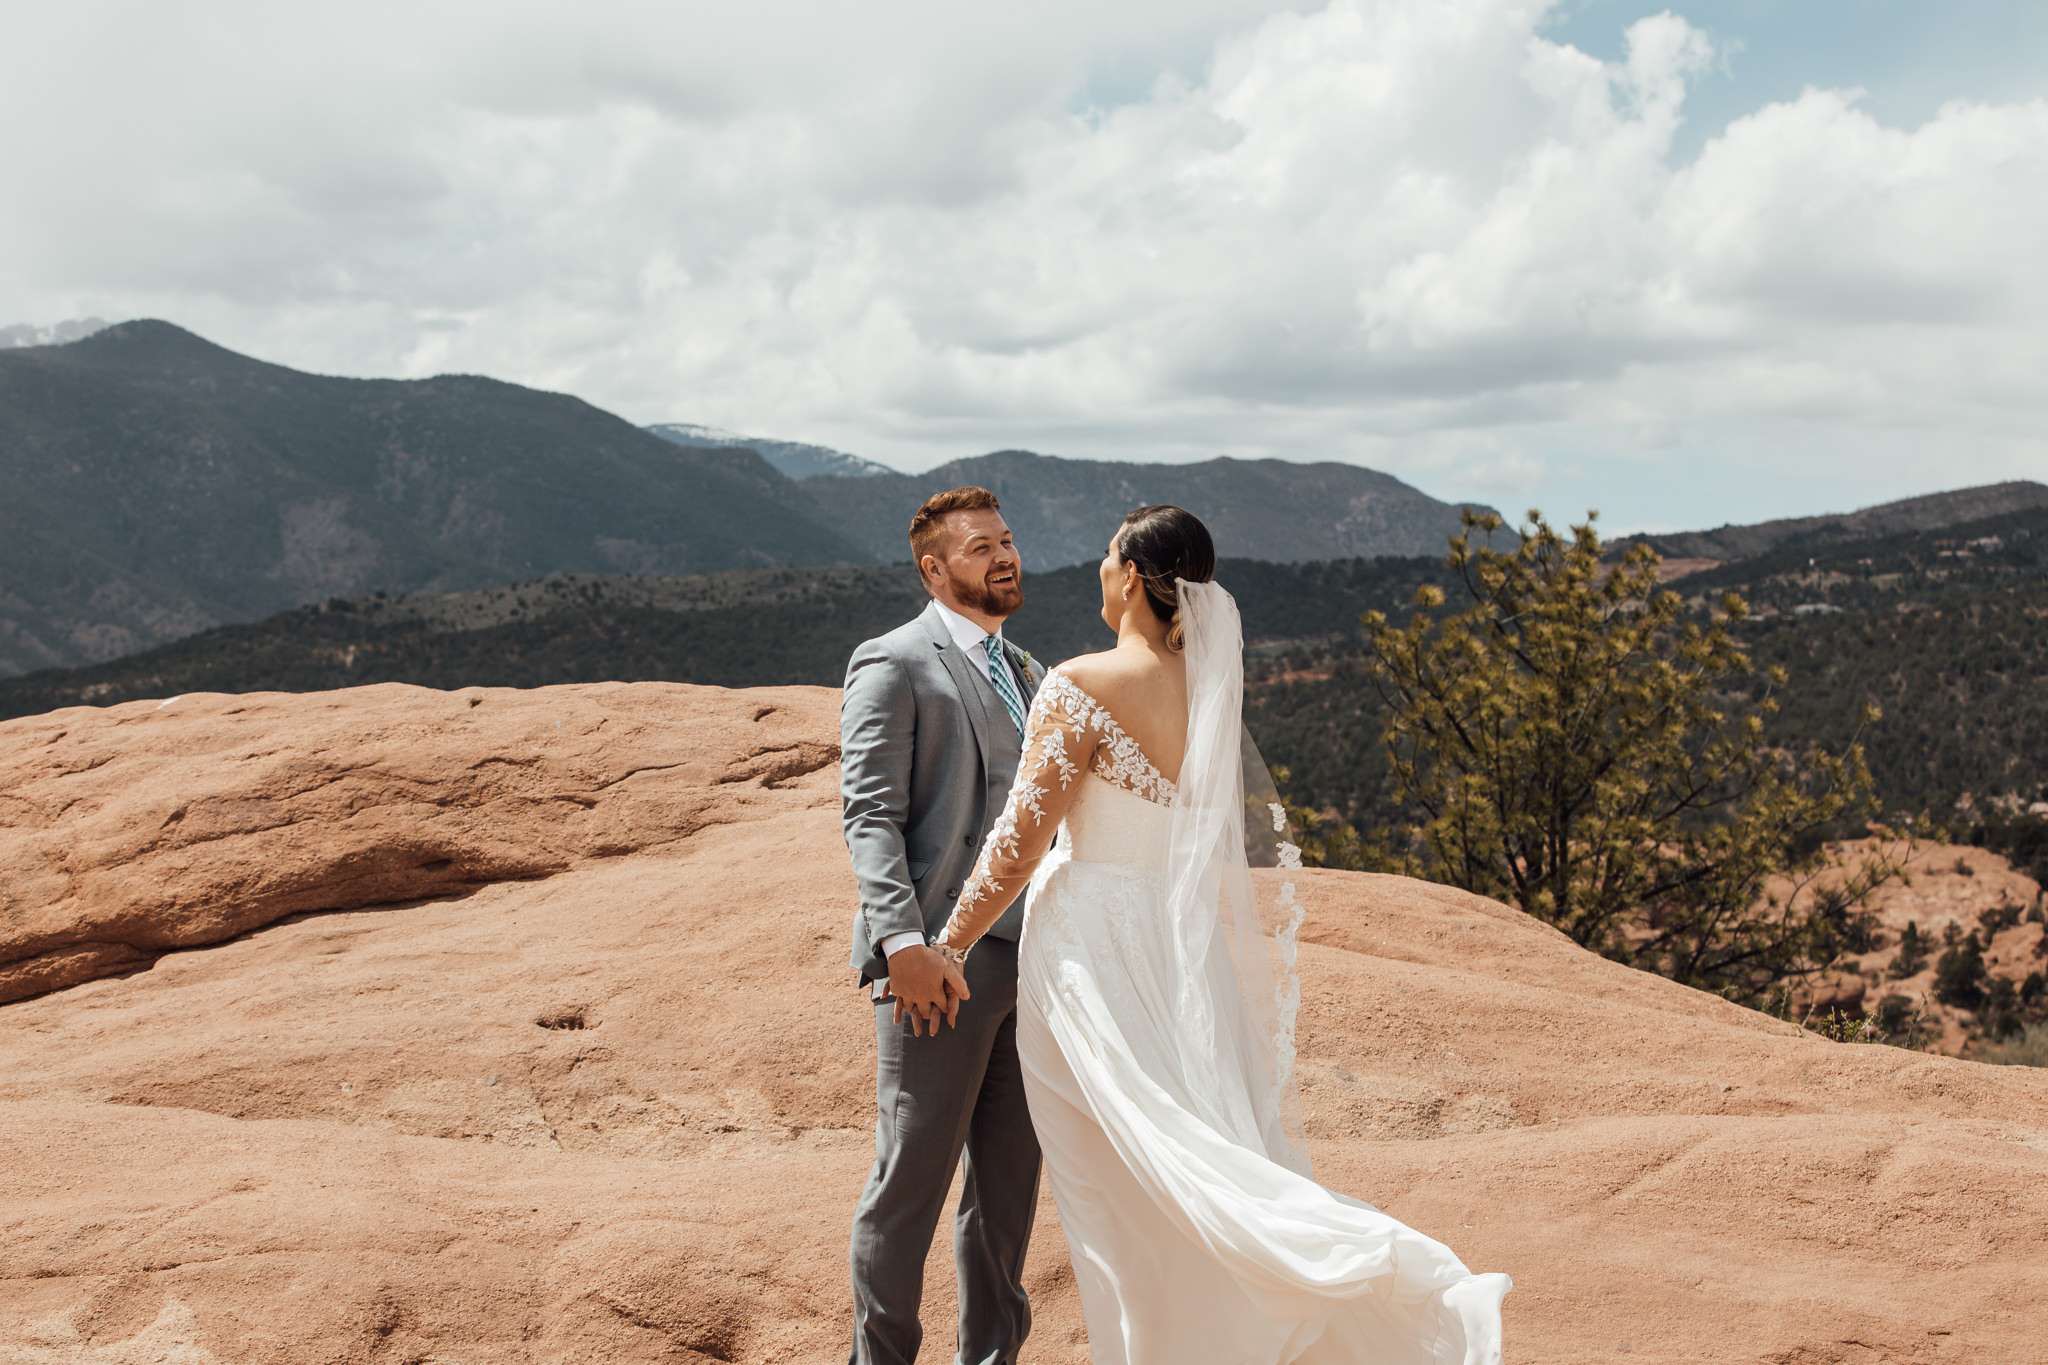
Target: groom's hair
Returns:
[[928, 527]]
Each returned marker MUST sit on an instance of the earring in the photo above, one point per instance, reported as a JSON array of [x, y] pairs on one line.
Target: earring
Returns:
[[1127, 592]]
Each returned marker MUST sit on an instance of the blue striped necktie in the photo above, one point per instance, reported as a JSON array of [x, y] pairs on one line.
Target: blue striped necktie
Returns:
[[999, 674]]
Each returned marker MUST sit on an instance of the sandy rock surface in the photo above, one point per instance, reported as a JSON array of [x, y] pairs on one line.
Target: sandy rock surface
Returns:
[[600, 1089]]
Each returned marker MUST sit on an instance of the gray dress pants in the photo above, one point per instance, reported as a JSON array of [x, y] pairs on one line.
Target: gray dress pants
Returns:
[[936, 1098]]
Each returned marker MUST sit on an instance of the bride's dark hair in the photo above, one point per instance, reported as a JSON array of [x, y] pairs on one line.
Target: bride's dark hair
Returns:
[[1167, 542]]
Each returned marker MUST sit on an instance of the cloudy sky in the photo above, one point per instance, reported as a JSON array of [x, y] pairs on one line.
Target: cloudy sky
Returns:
[[1724, 261]]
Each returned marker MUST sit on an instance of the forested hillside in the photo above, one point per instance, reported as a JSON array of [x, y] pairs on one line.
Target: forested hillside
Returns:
[[1946, 630], [734, 629]]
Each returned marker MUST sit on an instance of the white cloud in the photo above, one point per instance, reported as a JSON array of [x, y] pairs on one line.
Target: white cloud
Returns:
[[1410, 232]]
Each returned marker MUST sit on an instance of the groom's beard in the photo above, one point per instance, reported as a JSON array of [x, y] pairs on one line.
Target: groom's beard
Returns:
[[994, 598]]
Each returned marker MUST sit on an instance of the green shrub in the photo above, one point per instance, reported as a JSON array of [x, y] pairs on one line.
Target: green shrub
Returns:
[[1847, 1028]]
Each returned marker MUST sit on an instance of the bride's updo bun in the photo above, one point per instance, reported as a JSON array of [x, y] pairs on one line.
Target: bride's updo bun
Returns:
[[1165, 543]]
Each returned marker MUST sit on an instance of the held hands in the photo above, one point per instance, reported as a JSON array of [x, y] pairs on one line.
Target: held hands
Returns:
[[927, 986]]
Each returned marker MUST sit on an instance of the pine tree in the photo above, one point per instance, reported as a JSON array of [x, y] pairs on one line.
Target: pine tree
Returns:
[[1567, 743]]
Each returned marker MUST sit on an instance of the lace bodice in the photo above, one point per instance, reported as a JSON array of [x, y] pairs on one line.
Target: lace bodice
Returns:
[[1068, 735], [1117, 759]]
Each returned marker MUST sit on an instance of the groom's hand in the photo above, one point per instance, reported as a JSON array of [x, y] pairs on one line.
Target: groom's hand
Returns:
[[926, 985]]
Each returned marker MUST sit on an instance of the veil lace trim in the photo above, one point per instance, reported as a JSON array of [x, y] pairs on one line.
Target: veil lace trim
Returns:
[[1226, 818]]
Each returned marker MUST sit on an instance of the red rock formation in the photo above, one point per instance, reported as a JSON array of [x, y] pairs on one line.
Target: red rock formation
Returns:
[[605, 1093], [160, 825]]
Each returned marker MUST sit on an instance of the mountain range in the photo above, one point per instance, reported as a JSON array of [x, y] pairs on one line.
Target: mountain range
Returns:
[[1063, 510], [153, 484], [1043, 500], [1280, 510], [1928, 513]]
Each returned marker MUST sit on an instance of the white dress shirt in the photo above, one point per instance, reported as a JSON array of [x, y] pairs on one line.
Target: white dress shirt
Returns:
[[968, 636]]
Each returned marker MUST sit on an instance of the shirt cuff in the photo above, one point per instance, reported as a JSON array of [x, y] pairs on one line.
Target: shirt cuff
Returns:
[[894, 943]]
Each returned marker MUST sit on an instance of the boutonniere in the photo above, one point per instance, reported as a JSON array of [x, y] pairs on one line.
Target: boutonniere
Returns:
[[1024, 657]]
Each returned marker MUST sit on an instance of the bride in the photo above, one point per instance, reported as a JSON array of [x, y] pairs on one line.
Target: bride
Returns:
[[1155, 1028]]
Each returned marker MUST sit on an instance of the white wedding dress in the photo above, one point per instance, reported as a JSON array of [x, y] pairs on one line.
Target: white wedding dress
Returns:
[[1155, 1026]]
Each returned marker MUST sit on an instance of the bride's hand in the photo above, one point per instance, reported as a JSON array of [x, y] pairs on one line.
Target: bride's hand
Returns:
[[956, 991], [926, 985], [922, 1016]]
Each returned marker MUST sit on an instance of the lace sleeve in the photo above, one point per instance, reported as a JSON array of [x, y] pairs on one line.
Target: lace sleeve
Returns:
[[1060, 739]]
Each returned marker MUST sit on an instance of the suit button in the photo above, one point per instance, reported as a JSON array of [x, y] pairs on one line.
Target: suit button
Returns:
[[951, 892], [969, 841]]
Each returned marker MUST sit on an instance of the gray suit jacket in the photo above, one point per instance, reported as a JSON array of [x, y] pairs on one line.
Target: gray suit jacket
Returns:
[[928, 753]]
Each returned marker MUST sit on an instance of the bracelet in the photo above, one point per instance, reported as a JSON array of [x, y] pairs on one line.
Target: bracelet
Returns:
[[956, 956]]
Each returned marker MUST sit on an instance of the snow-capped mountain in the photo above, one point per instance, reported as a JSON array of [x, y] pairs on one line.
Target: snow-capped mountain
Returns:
[[794, 458]]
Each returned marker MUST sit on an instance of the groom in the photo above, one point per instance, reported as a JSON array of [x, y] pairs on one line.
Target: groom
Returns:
[[930, 730]]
